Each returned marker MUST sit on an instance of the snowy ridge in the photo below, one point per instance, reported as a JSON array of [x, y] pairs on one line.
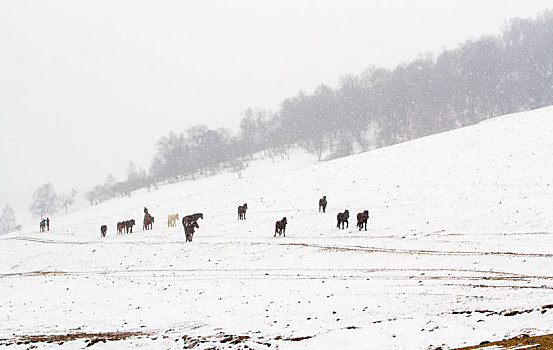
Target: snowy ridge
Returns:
[[459, 238]]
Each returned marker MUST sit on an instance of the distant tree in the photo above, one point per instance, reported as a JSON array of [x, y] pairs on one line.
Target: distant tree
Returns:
[[124, 188], [156, 172], [151, 182], [110, 186], [68, 199], [136, 178], [132, 172], [316, 145], [7, 220], [89, 196], [45, 201], [343, 147], [237, 167], [98, 194]]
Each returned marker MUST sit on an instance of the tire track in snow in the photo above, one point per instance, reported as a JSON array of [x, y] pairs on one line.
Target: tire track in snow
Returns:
[[296, 274], [417, 251]]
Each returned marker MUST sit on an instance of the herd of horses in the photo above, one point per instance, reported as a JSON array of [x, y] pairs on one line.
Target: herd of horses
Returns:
[[190, 222], [124, 226]]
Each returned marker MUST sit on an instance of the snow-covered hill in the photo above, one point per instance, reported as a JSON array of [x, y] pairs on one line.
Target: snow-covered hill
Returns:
[[458, 250]]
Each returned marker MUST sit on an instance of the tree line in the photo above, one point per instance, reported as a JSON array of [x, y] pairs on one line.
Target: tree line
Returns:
[[45, 201], [482, 78]]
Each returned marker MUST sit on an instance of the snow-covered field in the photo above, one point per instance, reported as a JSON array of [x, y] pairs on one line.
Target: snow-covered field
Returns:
[[459, 249]]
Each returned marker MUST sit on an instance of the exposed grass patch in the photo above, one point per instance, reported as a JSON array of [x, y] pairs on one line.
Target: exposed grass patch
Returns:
[[523, 341]]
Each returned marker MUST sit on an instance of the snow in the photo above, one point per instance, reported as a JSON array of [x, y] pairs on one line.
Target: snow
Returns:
[[459, 222]]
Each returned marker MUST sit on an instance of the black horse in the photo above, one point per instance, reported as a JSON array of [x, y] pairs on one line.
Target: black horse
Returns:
[[129, 224], [362, 219], [343, 219], [188, 219], [242, 211], [189, 230], [103, 230], [322, 204], [280, 227]]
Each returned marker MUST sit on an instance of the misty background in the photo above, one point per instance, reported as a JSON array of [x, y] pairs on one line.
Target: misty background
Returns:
[[88, 87]]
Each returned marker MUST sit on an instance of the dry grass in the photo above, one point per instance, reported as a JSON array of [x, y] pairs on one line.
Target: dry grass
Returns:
[[90, 338], [541, 342]]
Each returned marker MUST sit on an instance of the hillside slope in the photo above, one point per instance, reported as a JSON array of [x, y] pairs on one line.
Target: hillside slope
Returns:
[[458, 250]]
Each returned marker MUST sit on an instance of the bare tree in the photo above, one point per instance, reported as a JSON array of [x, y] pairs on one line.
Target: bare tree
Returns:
[[7, 220], [89, 196], [45, 201], [68, 199], [316, 145]]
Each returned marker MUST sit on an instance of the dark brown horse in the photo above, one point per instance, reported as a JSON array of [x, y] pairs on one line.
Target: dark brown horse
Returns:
[[148, 221], [242, 211], [103, 230], [280, 227], [192, 218], [42, 225], [120, 227], [189, 230], [362, 219], [129, 224], [343, 219], [322, 204]]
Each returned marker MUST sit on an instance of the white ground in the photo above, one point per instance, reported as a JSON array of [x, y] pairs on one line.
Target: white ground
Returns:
[[460, 221]]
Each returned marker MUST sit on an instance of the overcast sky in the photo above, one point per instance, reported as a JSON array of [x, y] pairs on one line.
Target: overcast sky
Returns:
[[86, 86]]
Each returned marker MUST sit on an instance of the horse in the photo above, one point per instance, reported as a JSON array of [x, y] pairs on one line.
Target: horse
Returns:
[[148, 221], [129, 224], [42, 225], [362, 219], [343, 218], [120, 227], [242, 211], [192, 218], [322, 204], [189, 230], [280, 227], [172, 220], [103, 230]]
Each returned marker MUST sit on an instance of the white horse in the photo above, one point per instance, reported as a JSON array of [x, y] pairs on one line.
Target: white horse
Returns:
[[172, 220]]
